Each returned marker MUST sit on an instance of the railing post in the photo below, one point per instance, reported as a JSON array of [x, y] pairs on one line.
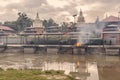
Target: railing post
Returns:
[[6, 40]]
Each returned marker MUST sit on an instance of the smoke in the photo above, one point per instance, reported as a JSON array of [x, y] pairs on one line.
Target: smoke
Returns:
[[89, 31]]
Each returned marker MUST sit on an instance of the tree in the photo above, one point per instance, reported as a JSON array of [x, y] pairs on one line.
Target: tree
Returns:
[[64, 26], [45, 23], [49, 22], [11, 24], [23, 21]]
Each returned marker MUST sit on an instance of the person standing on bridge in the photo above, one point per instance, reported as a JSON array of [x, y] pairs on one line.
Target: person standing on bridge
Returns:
[[110, 42]]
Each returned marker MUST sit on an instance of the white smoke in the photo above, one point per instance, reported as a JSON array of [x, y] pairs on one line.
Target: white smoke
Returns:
[[89, 31]]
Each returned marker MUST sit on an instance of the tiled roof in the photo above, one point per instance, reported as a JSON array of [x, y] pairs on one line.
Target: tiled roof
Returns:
[[6, 28], [112, 19]]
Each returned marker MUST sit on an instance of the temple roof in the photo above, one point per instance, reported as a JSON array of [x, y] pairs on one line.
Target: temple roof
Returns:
[[112, 19], [81, 18]]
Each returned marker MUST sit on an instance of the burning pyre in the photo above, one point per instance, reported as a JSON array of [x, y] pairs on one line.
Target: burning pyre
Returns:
[[78, 44]]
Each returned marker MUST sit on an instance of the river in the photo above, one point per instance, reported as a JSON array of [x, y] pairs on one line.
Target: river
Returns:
[[83, 67]]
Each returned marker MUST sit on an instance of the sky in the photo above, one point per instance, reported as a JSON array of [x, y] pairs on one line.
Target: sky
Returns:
[[59, 10]]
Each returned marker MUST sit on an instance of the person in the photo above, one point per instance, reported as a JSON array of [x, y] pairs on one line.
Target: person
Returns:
[[110, 42]]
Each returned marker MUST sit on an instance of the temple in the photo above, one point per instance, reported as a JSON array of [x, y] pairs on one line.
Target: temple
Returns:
[[37, 26], [37, 22], [81, 18]]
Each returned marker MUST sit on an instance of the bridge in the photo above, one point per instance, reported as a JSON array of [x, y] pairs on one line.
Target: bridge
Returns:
[[21, 42], [73, 49]]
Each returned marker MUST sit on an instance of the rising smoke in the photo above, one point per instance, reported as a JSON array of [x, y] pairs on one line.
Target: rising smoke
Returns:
[[90, 31]]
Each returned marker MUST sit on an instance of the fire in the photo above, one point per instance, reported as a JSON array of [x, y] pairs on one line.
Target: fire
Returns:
[[78, 44]]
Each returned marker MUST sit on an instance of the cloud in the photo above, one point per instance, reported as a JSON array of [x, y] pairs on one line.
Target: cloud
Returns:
[[58, 9], [33, 3], [100, 8]]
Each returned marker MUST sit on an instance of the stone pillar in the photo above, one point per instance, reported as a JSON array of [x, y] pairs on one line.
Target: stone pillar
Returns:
[[119, 52]]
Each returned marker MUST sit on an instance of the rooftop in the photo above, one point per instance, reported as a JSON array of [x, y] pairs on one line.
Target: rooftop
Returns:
[[112, 19], [6, 28]]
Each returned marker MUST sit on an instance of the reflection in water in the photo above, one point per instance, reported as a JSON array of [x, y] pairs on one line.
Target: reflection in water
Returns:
[[82, 67], [93, 70], [65, 66]]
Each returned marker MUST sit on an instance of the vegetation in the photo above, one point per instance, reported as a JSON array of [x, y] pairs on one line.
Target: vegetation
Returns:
[[64, 26], [20, 24], [49, 22], [11, 24], [33, 74], [24, 21]]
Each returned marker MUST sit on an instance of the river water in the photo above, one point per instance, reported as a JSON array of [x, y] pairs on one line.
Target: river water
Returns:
[[83, 67]]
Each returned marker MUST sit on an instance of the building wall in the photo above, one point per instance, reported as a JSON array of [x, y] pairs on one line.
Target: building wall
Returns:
[[39, 30], [37, 24], [53, 29], [34, 30], [113, 37]]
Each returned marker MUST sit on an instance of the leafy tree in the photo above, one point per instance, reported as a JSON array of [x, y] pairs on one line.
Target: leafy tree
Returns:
[[64, 26], [49, 22], [11, 24], [45, 23], [23, 21]]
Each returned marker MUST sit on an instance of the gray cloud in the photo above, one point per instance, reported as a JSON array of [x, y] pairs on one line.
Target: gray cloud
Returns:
[[31, 7], [105, 6], [34, 3]]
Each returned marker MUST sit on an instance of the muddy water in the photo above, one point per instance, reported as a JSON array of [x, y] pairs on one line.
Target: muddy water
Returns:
[[89, 67]]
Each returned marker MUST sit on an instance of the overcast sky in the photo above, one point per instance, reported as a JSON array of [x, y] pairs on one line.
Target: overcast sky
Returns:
[[59, 10]]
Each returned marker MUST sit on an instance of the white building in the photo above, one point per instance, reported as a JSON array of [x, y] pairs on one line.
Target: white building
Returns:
[[37, 22], [37, 26]]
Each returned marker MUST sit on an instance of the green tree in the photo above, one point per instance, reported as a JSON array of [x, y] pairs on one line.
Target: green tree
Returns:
[[23, 21], [49, 22], [11, 24], [64, 26], [45, 23]]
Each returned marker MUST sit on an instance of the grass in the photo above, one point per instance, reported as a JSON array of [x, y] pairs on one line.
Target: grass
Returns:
[[33, 74]]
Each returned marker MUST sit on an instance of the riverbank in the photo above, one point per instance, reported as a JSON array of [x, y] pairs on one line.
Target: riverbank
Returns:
[[33, 74]]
